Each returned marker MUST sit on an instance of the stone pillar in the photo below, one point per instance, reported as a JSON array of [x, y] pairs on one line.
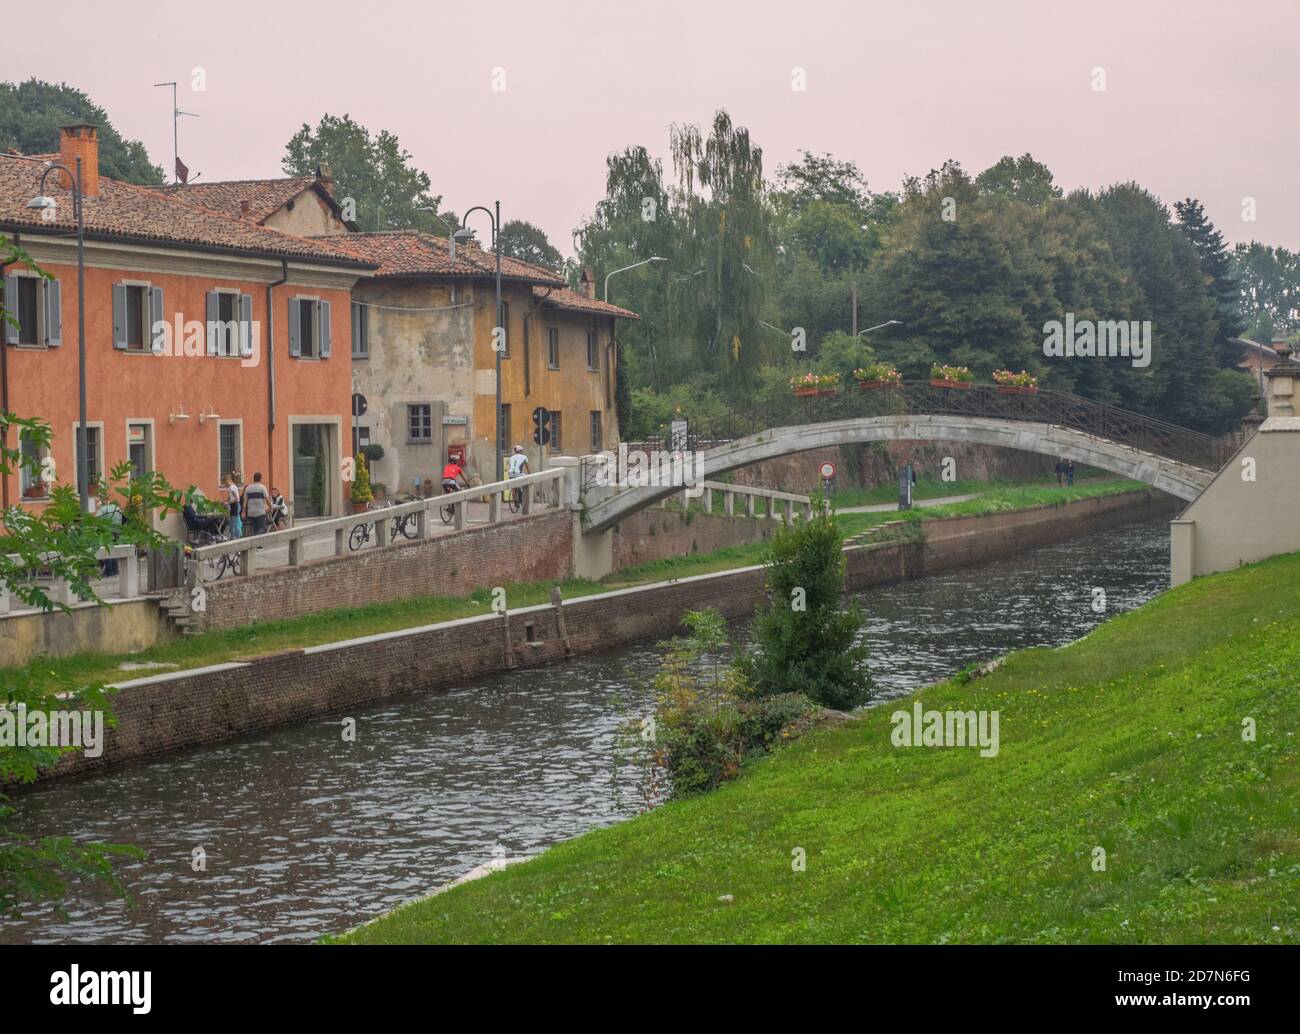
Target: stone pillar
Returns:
[[1181, 561], [1281, 388]]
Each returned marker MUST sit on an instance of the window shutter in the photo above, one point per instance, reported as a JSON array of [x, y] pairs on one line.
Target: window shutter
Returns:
[[53, 314], [119, 316], [156, 341], [213, 312], [356, 329], [295, 338], [324, 330], [11, 304], [246, 325]]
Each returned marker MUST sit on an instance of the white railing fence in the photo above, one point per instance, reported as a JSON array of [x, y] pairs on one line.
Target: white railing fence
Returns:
[[60, 591]]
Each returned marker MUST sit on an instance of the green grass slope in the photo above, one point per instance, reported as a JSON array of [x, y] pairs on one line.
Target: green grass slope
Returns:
[[1129, 740]]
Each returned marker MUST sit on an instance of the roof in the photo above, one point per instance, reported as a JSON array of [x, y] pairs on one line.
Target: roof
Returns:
[[404, 254], [264, 197], [571, 300], [124, 211], [1256, 346]]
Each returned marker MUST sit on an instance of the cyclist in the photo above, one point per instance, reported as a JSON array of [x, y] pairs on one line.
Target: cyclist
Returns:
[[453, 477], [518, 467]]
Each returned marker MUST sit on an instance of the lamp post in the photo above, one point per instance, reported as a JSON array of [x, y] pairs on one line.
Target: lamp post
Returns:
[[464, 234], [887, 323], [624, 269], [44, 203]]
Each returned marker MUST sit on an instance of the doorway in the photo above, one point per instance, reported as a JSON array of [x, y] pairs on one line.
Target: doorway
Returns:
[[315, 470]]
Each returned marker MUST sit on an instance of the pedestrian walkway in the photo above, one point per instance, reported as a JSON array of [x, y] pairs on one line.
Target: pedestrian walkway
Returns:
[[890, 507]]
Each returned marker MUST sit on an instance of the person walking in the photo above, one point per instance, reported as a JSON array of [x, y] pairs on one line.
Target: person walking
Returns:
[[234, 503], [1060, 472], [1069, 472], [257, 505]]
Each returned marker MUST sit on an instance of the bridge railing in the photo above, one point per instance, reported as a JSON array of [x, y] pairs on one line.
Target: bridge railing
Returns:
[[912, 398]]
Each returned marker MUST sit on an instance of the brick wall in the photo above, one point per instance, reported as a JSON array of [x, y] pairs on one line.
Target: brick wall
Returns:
[[655, 533], [170, 712], [534, 548]]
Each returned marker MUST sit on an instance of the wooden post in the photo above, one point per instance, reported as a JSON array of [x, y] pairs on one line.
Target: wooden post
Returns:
[[561, 629], [505, 635]]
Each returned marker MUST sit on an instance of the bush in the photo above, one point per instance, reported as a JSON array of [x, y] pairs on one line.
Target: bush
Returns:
[[361, 492], [804, 642]]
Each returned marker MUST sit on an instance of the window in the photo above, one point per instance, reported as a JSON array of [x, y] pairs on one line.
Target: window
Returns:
[[36, 306], [360, 331], [227, 330], [553, 347], [309, 328], [593, 351], [360, 438], [230, 449], [93, 455], [555, 431], [139, 448], [503, 428], [419, 423], [596, 437], [32, 484], [135, 318], [503, 321], [26, 309]]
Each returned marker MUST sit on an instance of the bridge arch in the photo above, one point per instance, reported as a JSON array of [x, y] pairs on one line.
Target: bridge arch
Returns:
[[606, 507]]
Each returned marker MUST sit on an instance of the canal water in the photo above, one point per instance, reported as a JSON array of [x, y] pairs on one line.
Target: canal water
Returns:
[[303, 834]]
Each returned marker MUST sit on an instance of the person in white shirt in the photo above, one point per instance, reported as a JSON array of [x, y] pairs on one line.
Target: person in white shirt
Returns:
[[518, 462]]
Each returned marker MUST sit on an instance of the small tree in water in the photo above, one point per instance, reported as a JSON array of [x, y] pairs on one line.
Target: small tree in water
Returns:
[[804, 639]]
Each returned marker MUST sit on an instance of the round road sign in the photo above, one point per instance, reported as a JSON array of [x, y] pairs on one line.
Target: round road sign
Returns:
[[826, 470]]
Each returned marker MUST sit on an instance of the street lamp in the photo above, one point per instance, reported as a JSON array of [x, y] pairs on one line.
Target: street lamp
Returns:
[[624, 269], [451, 230], [887, 323], [465, 235], [44, 203]]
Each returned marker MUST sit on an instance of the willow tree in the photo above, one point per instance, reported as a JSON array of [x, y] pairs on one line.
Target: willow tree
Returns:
[[724, 250]]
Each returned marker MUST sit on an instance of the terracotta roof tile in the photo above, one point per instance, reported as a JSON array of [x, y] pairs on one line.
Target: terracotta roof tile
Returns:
[[129, 212], [563, 298], [263, 196], [409, 253]]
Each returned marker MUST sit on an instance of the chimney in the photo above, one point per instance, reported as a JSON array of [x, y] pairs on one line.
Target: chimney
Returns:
[[245, 209], [587, 283], [324, 178], [80, 141]]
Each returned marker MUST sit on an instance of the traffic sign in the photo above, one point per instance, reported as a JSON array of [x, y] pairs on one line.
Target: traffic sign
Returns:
[[358, 404], [542, 436], [826, 470], [541, 417]]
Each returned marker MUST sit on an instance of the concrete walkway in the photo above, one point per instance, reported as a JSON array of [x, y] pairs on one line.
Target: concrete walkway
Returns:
[[916, 503]]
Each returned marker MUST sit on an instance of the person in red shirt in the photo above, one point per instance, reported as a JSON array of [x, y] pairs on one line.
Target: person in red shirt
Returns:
[[453, 477]]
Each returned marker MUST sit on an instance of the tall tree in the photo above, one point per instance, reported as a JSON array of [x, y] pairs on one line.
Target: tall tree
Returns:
[[1021, 179], [529, 243], [1268, 279], [388, 191], [1216, 264], [32, 112]]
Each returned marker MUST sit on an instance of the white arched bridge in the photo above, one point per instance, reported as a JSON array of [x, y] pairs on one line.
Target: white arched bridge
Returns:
[[1173, 459]]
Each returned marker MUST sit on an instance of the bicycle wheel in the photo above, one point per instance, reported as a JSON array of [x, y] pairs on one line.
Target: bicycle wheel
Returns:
[[447, 513], [234, 563], [359, 537], [217, 566], [515, 500], [404, 525]]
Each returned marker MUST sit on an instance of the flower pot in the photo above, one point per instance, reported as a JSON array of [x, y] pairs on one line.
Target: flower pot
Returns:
[[1017, 389], [876, 385], [938, 382], [358, 507], [803, 392], [828, 391]]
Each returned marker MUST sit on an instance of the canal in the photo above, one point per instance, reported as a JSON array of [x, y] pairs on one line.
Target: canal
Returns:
[[301, 833]]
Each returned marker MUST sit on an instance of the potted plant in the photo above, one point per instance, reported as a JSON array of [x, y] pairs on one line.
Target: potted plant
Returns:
[[1022, 383], [875, 376], [361, 491], [816, 383], [942, 376]]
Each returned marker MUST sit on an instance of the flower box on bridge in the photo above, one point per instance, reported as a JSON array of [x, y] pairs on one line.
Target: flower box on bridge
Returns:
[[941, 382], [877, 385], [1017, 389], [804, 392]]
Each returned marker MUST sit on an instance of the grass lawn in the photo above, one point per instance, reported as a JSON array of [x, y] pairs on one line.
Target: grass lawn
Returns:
[[1128, 740], [333, 625]]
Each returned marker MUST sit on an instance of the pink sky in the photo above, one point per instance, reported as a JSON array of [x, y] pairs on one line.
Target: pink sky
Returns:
[[1200, 96]]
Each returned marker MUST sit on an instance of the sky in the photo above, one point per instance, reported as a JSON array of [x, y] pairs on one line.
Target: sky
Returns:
[[1199, 96]]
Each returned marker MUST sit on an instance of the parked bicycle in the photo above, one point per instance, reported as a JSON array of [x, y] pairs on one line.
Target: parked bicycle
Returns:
[[208, 530], [404, 525]]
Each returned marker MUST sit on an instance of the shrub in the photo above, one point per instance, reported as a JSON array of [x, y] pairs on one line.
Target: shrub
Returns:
[[804, 640], [361, 492]]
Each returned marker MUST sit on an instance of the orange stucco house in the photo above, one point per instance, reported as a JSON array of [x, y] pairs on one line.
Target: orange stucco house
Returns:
[[212, 342]]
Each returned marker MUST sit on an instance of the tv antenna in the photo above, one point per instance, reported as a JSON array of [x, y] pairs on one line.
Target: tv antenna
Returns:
[[176, 117]]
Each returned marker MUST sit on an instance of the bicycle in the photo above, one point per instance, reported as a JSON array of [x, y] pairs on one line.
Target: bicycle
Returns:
[[218, 564], [404, 526], [447, 511], [515, 499]]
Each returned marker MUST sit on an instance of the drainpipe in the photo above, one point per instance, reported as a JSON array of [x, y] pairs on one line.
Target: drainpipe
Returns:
[[270, 372], [4, 387]]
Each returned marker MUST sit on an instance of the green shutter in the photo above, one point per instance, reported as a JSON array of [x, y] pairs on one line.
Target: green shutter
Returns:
[[53, 314], [119, 316], [324, 330], [156, 339], [295, 331]]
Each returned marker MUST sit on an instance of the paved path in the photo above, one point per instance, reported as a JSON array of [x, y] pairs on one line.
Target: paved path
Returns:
[[887, 507]]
